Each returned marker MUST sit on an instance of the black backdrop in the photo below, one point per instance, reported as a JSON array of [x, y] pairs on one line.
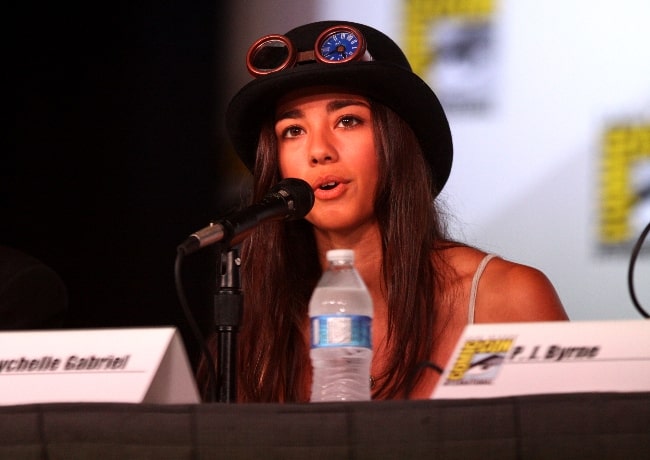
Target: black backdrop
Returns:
[[119, 152]]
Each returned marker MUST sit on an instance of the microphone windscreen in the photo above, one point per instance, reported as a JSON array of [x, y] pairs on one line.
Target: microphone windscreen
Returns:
[[300, 192]]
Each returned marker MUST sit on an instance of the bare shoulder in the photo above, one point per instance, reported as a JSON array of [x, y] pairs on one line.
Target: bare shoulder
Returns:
[[509, 291]]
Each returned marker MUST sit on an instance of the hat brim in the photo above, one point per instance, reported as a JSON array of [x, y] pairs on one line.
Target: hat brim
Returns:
[[400, 90]]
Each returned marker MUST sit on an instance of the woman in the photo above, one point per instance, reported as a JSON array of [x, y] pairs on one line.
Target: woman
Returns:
[[336, 104]]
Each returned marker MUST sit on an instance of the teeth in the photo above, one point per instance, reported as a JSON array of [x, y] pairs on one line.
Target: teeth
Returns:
[[328, 186]]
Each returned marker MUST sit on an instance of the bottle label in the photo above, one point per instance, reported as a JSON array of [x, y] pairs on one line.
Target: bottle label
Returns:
[[340, 331]]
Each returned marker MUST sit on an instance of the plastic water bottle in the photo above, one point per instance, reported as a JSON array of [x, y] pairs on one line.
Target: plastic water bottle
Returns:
[[341, 314]]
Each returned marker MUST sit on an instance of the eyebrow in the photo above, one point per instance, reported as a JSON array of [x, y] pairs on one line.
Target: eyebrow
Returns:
[[341, 103], [331, 107]]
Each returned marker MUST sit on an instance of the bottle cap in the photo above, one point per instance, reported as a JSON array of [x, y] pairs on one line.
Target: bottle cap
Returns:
[[340, 254]]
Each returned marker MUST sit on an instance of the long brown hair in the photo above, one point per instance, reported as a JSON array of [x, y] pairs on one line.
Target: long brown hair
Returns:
[[280, 268]]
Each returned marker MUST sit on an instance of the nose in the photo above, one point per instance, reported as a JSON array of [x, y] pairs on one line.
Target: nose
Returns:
[[321, 149]]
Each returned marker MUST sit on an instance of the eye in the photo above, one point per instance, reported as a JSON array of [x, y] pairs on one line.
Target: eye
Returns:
[[348, 121], [292, 131]]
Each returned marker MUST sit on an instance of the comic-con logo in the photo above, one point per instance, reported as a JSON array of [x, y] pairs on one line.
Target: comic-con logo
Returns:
[[451, 45], [479, 361], [624, 185]]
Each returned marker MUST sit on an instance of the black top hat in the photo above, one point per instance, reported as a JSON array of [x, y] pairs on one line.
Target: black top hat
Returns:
[[387, 78]]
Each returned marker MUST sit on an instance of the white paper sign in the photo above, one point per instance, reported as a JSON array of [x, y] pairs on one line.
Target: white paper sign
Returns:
[[508, 359], [132, 365]]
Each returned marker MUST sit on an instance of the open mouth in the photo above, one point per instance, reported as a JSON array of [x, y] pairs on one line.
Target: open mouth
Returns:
[[328, 185]]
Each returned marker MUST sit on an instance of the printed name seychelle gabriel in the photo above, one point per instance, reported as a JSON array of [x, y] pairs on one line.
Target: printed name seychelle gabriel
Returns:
[[68, 364]]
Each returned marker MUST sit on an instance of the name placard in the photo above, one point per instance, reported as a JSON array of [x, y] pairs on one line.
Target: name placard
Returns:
[[508, 359], [132, 365]]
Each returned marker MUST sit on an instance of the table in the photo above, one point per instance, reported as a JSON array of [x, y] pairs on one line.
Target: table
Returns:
[[556, 426]]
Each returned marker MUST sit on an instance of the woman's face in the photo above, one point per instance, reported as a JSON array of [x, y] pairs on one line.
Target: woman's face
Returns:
[[326, 139]]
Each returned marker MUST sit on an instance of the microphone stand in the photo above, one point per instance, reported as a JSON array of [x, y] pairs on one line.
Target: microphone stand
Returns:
[[228, 302]]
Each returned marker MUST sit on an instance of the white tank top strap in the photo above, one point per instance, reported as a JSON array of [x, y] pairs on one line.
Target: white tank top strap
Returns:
[[475, 281]]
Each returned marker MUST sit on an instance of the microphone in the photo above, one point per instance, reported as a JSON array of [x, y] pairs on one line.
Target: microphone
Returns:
[[289, 199]]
